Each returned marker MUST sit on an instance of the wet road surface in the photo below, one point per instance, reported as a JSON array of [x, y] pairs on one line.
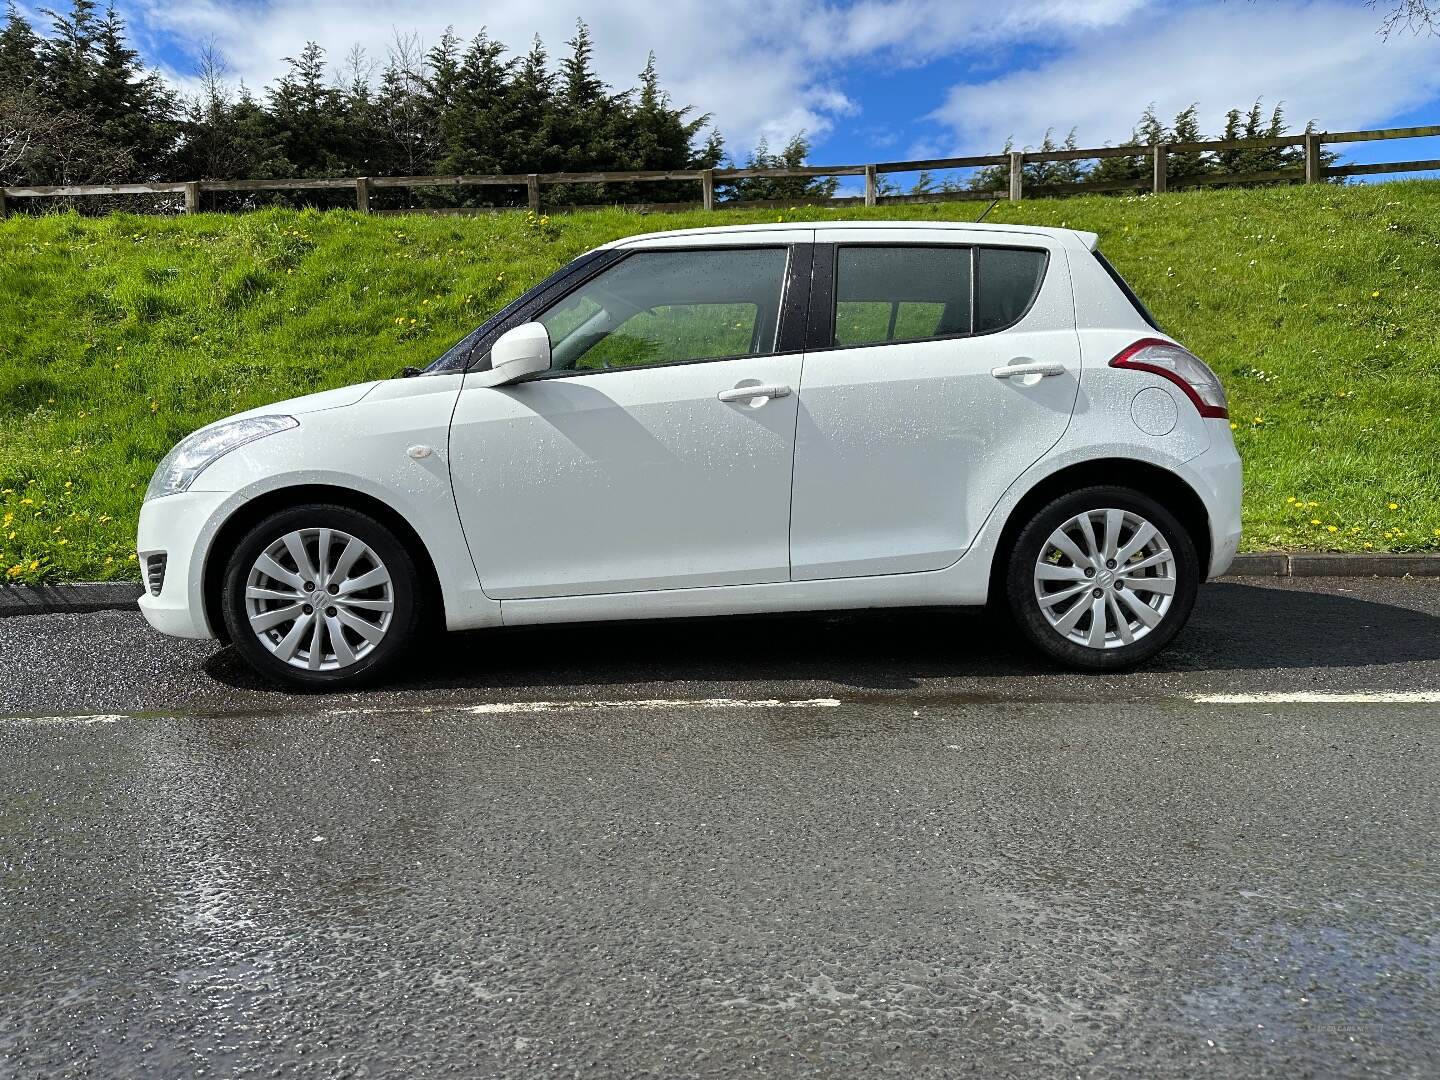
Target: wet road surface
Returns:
[[878, 845]]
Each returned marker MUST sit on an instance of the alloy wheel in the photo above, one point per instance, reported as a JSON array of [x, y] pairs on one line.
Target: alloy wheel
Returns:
[[1105, 578], [319, 599]]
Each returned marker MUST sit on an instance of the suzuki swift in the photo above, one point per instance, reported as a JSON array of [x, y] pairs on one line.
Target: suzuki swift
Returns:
[[722, 421]]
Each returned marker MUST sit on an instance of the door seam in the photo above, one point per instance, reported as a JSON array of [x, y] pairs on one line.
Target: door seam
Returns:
[[799, 404]]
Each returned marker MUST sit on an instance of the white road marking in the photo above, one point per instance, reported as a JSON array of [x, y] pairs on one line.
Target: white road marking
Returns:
[[1362, 697], [90, 718], [652, 703]]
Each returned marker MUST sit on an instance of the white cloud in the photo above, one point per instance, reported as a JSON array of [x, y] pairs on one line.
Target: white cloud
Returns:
[[1322, 60], [768, 68], [914, 31], [765, 67]]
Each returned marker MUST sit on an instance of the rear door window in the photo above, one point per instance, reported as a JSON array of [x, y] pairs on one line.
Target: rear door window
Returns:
[[889, 294]]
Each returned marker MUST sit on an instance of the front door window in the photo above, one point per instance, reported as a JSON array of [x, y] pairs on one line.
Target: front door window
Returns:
[[668, 307]]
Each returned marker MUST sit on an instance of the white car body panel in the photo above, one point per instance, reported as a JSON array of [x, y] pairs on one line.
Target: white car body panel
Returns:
[[924, 429], [965, 583], [636, 493], [627, 480], [362, 448]]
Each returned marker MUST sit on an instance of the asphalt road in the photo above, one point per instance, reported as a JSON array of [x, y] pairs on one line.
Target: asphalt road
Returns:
[[878, 845]]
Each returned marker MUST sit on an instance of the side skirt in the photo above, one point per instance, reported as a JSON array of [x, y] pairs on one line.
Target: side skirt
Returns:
[[930, 589]]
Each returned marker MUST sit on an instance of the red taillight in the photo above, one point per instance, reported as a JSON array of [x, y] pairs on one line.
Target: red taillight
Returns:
[[1180, 366]]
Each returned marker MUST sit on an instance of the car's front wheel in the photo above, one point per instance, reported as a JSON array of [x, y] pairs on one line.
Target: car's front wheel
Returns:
[[1102, 578], [321, 597]]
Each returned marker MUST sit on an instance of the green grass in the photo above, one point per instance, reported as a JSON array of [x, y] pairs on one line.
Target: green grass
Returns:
[[1319, 307]]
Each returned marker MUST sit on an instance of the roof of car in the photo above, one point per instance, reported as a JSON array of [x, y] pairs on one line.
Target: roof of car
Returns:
[[1086, 239]]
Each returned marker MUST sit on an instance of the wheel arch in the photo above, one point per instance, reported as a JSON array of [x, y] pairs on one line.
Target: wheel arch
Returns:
[[1162, 485], [243, 517]]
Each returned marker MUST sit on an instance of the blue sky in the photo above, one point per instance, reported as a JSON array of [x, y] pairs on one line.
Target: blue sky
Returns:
[[890, 79]]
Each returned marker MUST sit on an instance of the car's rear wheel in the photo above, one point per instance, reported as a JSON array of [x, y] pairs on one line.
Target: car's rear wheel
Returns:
[[1102, 578], [321, 597]]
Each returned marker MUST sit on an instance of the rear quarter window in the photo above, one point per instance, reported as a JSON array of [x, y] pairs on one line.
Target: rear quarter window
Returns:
[[1006, 283]]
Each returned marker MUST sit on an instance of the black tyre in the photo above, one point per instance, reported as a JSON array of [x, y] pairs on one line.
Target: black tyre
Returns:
[[322, 597], [1102, 578]]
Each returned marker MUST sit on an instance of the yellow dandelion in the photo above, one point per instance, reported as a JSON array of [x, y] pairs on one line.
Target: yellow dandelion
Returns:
[[1393, 506], [1333, 528], [1314, 521]]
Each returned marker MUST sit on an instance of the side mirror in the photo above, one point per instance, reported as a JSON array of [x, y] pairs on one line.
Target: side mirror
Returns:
[[517, 354]]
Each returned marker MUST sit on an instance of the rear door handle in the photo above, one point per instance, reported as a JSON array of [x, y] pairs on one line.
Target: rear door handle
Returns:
[[1032, 368], [748, 393]]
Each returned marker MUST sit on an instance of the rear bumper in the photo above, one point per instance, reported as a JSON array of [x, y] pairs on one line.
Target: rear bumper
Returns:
[[181, 526], [1216, 476]]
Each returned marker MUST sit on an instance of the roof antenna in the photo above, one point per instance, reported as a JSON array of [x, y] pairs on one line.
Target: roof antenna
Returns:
[[993, 203]]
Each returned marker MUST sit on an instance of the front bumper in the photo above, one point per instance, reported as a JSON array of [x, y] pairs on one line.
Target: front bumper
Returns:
[[181, 527]]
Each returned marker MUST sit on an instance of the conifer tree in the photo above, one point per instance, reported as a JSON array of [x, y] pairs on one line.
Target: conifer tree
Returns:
[[1187, 163], [20, 68], [791, 156]]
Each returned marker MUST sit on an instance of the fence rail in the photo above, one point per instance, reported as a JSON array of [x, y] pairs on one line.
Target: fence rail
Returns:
[[1313, 171]]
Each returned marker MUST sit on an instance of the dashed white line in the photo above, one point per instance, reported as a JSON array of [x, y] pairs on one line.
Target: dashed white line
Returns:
[[492, 708], [88, 718], [1359, 697]]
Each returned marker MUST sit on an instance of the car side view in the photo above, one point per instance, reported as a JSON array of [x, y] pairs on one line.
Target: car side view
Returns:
[[723, 421]]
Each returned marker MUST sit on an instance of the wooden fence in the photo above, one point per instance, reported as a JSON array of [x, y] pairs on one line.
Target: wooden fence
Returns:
[[1314, 170]]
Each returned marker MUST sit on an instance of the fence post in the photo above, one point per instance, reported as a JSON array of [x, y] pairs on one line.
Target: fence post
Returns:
[[872, 185], [1159, 150], [362, 194], [1313, 164], [707, 188], [192, 197], [1017, 175], [532, 189], [4, 213]]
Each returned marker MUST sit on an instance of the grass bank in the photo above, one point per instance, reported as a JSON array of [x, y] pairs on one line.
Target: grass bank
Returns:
[[1319, 307]]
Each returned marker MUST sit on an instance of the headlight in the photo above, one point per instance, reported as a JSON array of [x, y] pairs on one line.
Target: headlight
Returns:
[[194, 453]]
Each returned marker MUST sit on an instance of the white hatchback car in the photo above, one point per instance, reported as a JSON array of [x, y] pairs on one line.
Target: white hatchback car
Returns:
[[719, 421]]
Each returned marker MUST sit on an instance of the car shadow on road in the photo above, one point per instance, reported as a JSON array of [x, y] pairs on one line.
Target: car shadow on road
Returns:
[[1236, 628]]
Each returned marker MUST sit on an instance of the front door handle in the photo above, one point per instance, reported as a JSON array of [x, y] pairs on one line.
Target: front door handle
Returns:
[[749, 393], [1028, 368]]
